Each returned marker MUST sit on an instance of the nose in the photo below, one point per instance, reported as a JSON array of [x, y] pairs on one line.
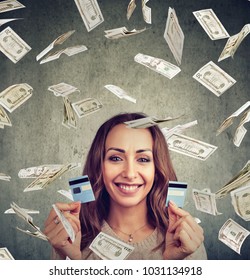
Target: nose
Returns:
[[130, 170]]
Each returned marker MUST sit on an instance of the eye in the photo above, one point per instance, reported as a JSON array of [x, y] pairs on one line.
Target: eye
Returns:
[[114, 158], [144, 159]]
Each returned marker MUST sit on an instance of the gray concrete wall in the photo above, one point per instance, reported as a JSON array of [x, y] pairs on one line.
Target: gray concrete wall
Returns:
[[37, 136]]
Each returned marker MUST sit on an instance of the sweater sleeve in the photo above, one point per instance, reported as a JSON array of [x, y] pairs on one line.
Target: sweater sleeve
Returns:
[[199, 254]]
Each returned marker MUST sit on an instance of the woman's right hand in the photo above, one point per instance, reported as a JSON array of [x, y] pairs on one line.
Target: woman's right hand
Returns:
[[57, 235]]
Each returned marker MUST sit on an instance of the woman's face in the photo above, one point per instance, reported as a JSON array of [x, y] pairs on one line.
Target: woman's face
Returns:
[[128, 168]]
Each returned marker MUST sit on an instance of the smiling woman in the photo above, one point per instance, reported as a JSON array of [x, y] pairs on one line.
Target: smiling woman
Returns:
[[129, 170]]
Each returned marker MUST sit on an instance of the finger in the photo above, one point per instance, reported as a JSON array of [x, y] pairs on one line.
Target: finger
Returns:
[[186, 219], [178, 211], [73, 207]]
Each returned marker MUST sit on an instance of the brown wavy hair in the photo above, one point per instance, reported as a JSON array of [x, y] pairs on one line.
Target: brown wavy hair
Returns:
[[94, 213]]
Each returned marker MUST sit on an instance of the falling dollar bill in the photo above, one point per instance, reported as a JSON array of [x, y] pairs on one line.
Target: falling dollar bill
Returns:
[[4, 177], [48, 176], [233, 235], [28, 219], [233, 43], [148, 121], [214, 78], [68, 51], [28, 211], [174, 35], [36, 171], [4, 119], [121, 32], [10, 5], [190, 147], [62, 89], [211, 24], [236, 182], [15, 95], [58, 41], [130, 9], [12, 45], [86, 106], [90, 13], [158, 65], [229, 120], [110, 248], [67, 194], [167, 132], [5, 253], [120, 93], [146, 12], [4, 21], [241, 130], [69, 119], [240, 199], [66, 224], [205, 201]]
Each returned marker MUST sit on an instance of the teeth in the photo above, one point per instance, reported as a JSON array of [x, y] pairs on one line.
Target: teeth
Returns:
[[128, 188]]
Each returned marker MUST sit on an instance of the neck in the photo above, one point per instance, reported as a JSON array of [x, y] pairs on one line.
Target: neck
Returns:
[[127, 218]]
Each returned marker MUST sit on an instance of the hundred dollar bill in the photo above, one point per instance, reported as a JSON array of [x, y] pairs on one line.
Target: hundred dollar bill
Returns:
[[90, 13], [146, 12], [190, 147], [110, 248], [28, 219], [237, 181], [5, 254], [68, 51], [131, 8], [4, 119], [214, 78], [205, 201], [62, 89], [233, 235], [67, 194], [148, 122], [10, 5], [167, 132], [241, 130], [211, 24], [174, 35], [158, 65], [240, 199], [58, 41], [12, 45], [233, 43], [4, 21], [229, 120], [86, 106], [69, 119], [66, 224], [4, 177], [119, 93], [14, 96], [121, 32]]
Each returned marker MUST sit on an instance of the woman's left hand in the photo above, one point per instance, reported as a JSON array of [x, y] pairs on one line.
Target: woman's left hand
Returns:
[[184, 235]]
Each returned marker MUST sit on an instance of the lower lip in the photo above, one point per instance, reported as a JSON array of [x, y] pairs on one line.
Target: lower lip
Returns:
[[129, 192]]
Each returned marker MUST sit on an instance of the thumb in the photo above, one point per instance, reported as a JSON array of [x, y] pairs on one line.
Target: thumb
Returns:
[[171, 215]]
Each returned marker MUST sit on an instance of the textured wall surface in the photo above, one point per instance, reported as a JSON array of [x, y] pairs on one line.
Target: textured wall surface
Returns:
[[37, 136]]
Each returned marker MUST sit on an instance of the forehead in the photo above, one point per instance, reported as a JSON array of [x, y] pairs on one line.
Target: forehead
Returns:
[[124, 137]]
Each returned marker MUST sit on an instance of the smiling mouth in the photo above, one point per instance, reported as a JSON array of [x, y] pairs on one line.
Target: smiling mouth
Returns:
[[128, 187]]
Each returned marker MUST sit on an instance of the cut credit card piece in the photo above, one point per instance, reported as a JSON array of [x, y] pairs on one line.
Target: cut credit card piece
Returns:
[[81, 189], [176, 193]]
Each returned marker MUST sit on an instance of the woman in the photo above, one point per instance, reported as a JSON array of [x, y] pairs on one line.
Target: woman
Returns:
[[129, 170]]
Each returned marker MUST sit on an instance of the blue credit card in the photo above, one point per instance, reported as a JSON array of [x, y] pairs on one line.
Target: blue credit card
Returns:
[[81, 189], [176, 193]]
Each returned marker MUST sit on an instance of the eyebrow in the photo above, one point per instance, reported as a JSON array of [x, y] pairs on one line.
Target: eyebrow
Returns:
[[123, 151]]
